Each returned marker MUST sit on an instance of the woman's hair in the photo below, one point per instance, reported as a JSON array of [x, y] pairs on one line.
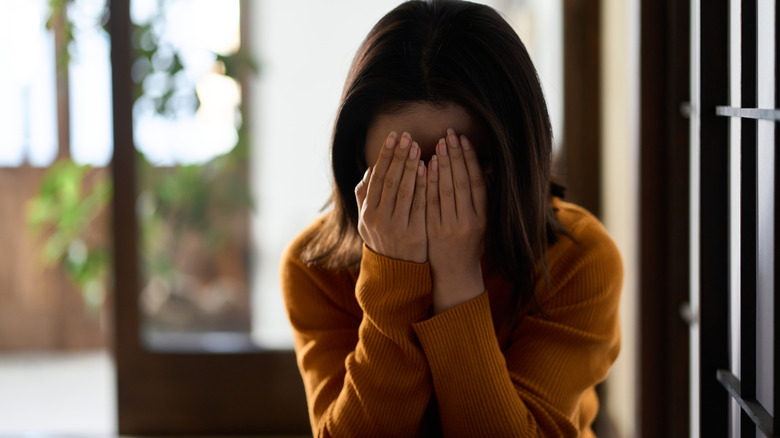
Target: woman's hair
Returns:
[[442, 52]]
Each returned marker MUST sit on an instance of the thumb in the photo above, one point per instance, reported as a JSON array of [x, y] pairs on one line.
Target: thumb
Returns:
[[362, 187]]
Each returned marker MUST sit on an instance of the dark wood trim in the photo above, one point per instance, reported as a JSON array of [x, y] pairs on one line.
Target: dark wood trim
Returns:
[[582, 107], [126, 342], [579, 164], [662, 406], [123, 175]]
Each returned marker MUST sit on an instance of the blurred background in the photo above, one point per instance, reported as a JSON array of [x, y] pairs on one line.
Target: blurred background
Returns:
[[232, 108]]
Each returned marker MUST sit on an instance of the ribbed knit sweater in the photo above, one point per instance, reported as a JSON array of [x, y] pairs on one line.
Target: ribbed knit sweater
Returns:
[[375, 361]]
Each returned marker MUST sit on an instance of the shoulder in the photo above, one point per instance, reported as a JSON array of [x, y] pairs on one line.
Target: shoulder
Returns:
[[304, 284], [579, 222], [294, 250], [293, 263], [587, 258], [586, 233]]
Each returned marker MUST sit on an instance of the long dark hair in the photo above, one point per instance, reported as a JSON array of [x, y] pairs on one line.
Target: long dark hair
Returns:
[[439, 52]]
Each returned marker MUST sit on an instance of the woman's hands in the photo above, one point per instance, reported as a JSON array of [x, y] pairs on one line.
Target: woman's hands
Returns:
[[391, 201], [440, 217], [456, 222]]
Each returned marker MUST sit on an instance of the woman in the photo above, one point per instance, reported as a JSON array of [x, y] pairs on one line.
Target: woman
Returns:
[[448, 290]]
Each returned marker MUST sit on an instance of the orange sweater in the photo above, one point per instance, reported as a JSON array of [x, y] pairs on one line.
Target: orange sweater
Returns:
[[376, 362]]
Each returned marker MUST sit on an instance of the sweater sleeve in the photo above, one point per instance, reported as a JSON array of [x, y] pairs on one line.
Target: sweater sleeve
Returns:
[[363, 377], [541, 383]]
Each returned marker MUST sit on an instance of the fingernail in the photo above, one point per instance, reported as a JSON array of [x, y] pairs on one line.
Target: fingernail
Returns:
[[365, 175], [452, 137], [434, 164], [465, 142], [415, 152], [391, 140], [421, 168], [442, 147], [406, 140]]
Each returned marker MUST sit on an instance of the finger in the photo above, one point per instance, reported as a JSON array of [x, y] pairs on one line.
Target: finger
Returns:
[[417, 215], [405, 195], [476, 179], [446, 191], [460, 176], [361, 188], [377, 179], [433, 206], [392, 179]]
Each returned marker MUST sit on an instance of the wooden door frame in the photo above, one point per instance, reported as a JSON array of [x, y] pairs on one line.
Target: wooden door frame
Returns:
[[172, 393], [663, 401], [581, 161]]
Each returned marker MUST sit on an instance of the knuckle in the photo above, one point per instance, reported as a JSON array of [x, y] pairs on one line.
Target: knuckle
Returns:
[[390, 183], [386, 153], [446, 192], [461, 183], [404, 194], [434, 201]]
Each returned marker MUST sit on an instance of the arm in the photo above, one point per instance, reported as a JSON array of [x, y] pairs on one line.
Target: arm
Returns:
[[369, 377], [537, 386], [363, 377], [541, 385]]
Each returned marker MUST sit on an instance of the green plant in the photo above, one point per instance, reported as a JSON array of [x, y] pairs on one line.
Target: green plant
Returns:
[[67, 210]]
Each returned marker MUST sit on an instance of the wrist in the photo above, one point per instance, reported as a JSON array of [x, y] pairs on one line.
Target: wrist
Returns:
[[452, 290]]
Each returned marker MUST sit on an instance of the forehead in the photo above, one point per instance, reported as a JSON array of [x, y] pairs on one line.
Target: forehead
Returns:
[[426, 123]]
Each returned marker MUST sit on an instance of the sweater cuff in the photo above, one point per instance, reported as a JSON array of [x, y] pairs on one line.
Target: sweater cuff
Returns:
[[460, 336], [391, 283]]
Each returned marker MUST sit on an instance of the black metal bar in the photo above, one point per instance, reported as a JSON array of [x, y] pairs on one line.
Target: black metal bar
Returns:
[[757, 413], [713, 219], [748, 214]]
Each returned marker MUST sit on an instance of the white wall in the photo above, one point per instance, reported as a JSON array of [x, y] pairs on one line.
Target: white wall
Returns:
[[304, 50], [620, 191]]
